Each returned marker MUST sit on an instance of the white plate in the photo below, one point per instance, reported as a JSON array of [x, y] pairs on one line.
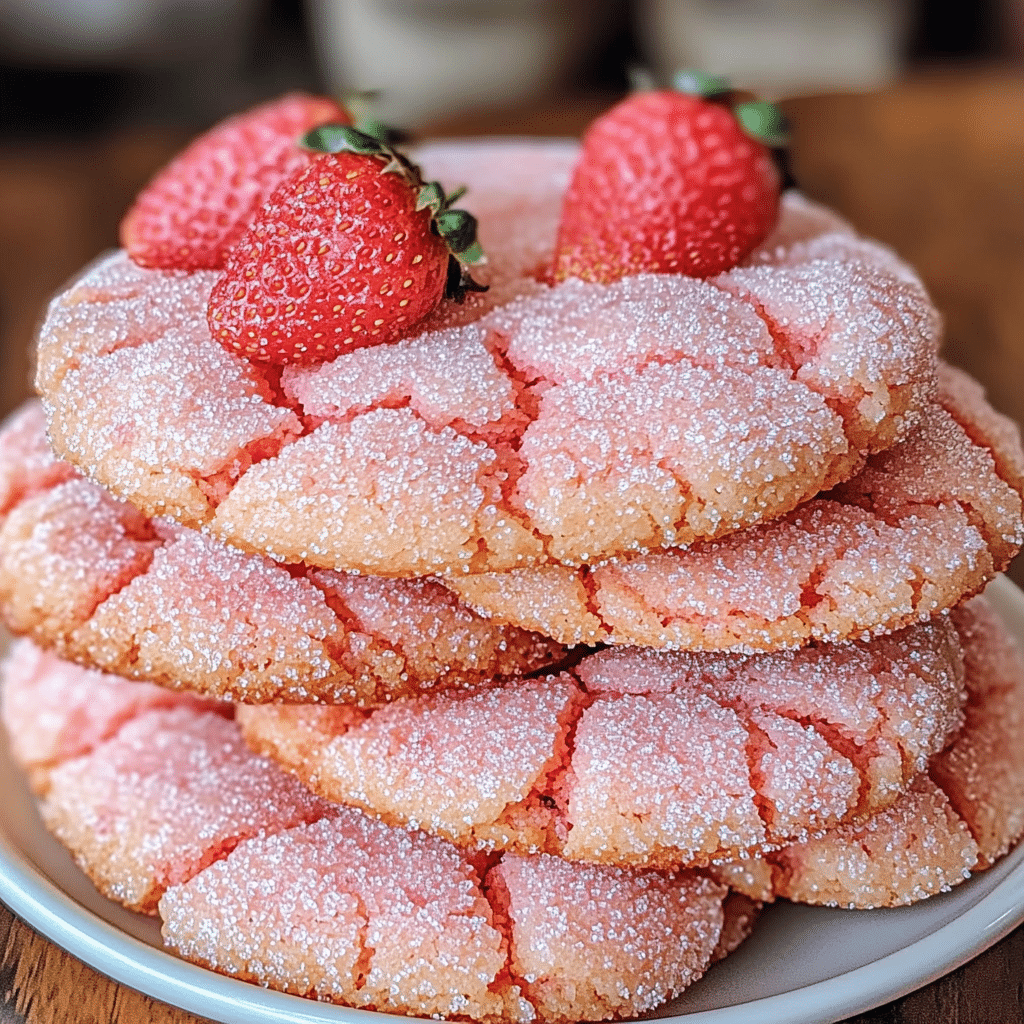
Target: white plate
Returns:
[[803, 965]]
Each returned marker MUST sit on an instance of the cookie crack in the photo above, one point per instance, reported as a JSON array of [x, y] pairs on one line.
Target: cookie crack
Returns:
[[780, 348], [859, 752], [757, 745], [363, 963], [499, 900], [591, 599], [215, 486], [842, 405], [554, 783], [147, 542], [340, 648]]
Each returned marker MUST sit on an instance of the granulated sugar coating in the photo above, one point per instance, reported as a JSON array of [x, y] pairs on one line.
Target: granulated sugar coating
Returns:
[[578, 934], [169, 794], [922, 526], [963, 814], [162, 415], [982, 771], [642, 757], [348, 910], [116, 304], [27, 462], [64, 551], [533, 425], [89, 576], [262, 881], [912, 850], [353, 911], [54, 711]]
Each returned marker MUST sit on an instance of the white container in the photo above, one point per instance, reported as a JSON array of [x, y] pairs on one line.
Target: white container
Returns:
[[778, 47], [429, 58]]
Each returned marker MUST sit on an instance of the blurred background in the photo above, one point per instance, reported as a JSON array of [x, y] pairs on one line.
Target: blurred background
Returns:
[[908, 115], [84, 66]]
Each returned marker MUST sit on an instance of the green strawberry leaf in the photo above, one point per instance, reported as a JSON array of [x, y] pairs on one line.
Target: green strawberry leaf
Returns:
[[699, 83], [430, 196], [341, 138], [458, 229], [764, 122], [474, 254], [383, 133]]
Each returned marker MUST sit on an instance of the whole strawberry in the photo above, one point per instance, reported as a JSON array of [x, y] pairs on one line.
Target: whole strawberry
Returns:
[[196, 208], [669, 182], [352, 250]]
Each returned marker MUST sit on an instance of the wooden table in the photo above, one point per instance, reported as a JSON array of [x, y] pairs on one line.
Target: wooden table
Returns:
[[933, 167]]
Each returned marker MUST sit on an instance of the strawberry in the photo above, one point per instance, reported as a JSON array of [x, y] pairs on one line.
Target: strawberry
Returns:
[[670, 183], [197, 207], [350, 251]]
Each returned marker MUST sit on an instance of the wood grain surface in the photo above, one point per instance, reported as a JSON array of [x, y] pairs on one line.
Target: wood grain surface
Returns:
[[932, 166]]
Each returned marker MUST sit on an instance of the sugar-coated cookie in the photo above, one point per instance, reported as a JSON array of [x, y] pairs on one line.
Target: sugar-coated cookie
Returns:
[[90, 577], [54, 710], [353, 911], [642, 757], [924, 525], [539, 424], [403, 922], [964, 813], [256, 878], [170, 792]]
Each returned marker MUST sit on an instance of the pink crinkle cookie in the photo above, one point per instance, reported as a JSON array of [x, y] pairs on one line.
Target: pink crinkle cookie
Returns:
[[55, 711], [257, 878], [642, 757], [92, 578], [354, 911], [963, 814], [535, 425], [171, 792], [922, 526]]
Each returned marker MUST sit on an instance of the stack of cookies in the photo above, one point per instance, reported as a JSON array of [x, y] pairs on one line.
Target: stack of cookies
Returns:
[[505, 668]]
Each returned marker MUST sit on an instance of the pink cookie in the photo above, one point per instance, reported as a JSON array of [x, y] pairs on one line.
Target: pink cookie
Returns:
[[350, 910], [173, 808], [90, 577], [54, 711], [924, 525], [642, 757], [170, 793], [537, 425], [963, 814]]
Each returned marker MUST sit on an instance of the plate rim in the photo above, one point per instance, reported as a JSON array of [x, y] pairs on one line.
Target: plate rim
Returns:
[[161, 975]]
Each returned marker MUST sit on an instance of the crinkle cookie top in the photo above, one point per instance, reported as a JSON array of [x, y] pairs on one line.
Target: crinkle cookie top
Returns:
[[535, 424], [642, 757], [90, 577], [922, 526], [963, 814], [166, 810]]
